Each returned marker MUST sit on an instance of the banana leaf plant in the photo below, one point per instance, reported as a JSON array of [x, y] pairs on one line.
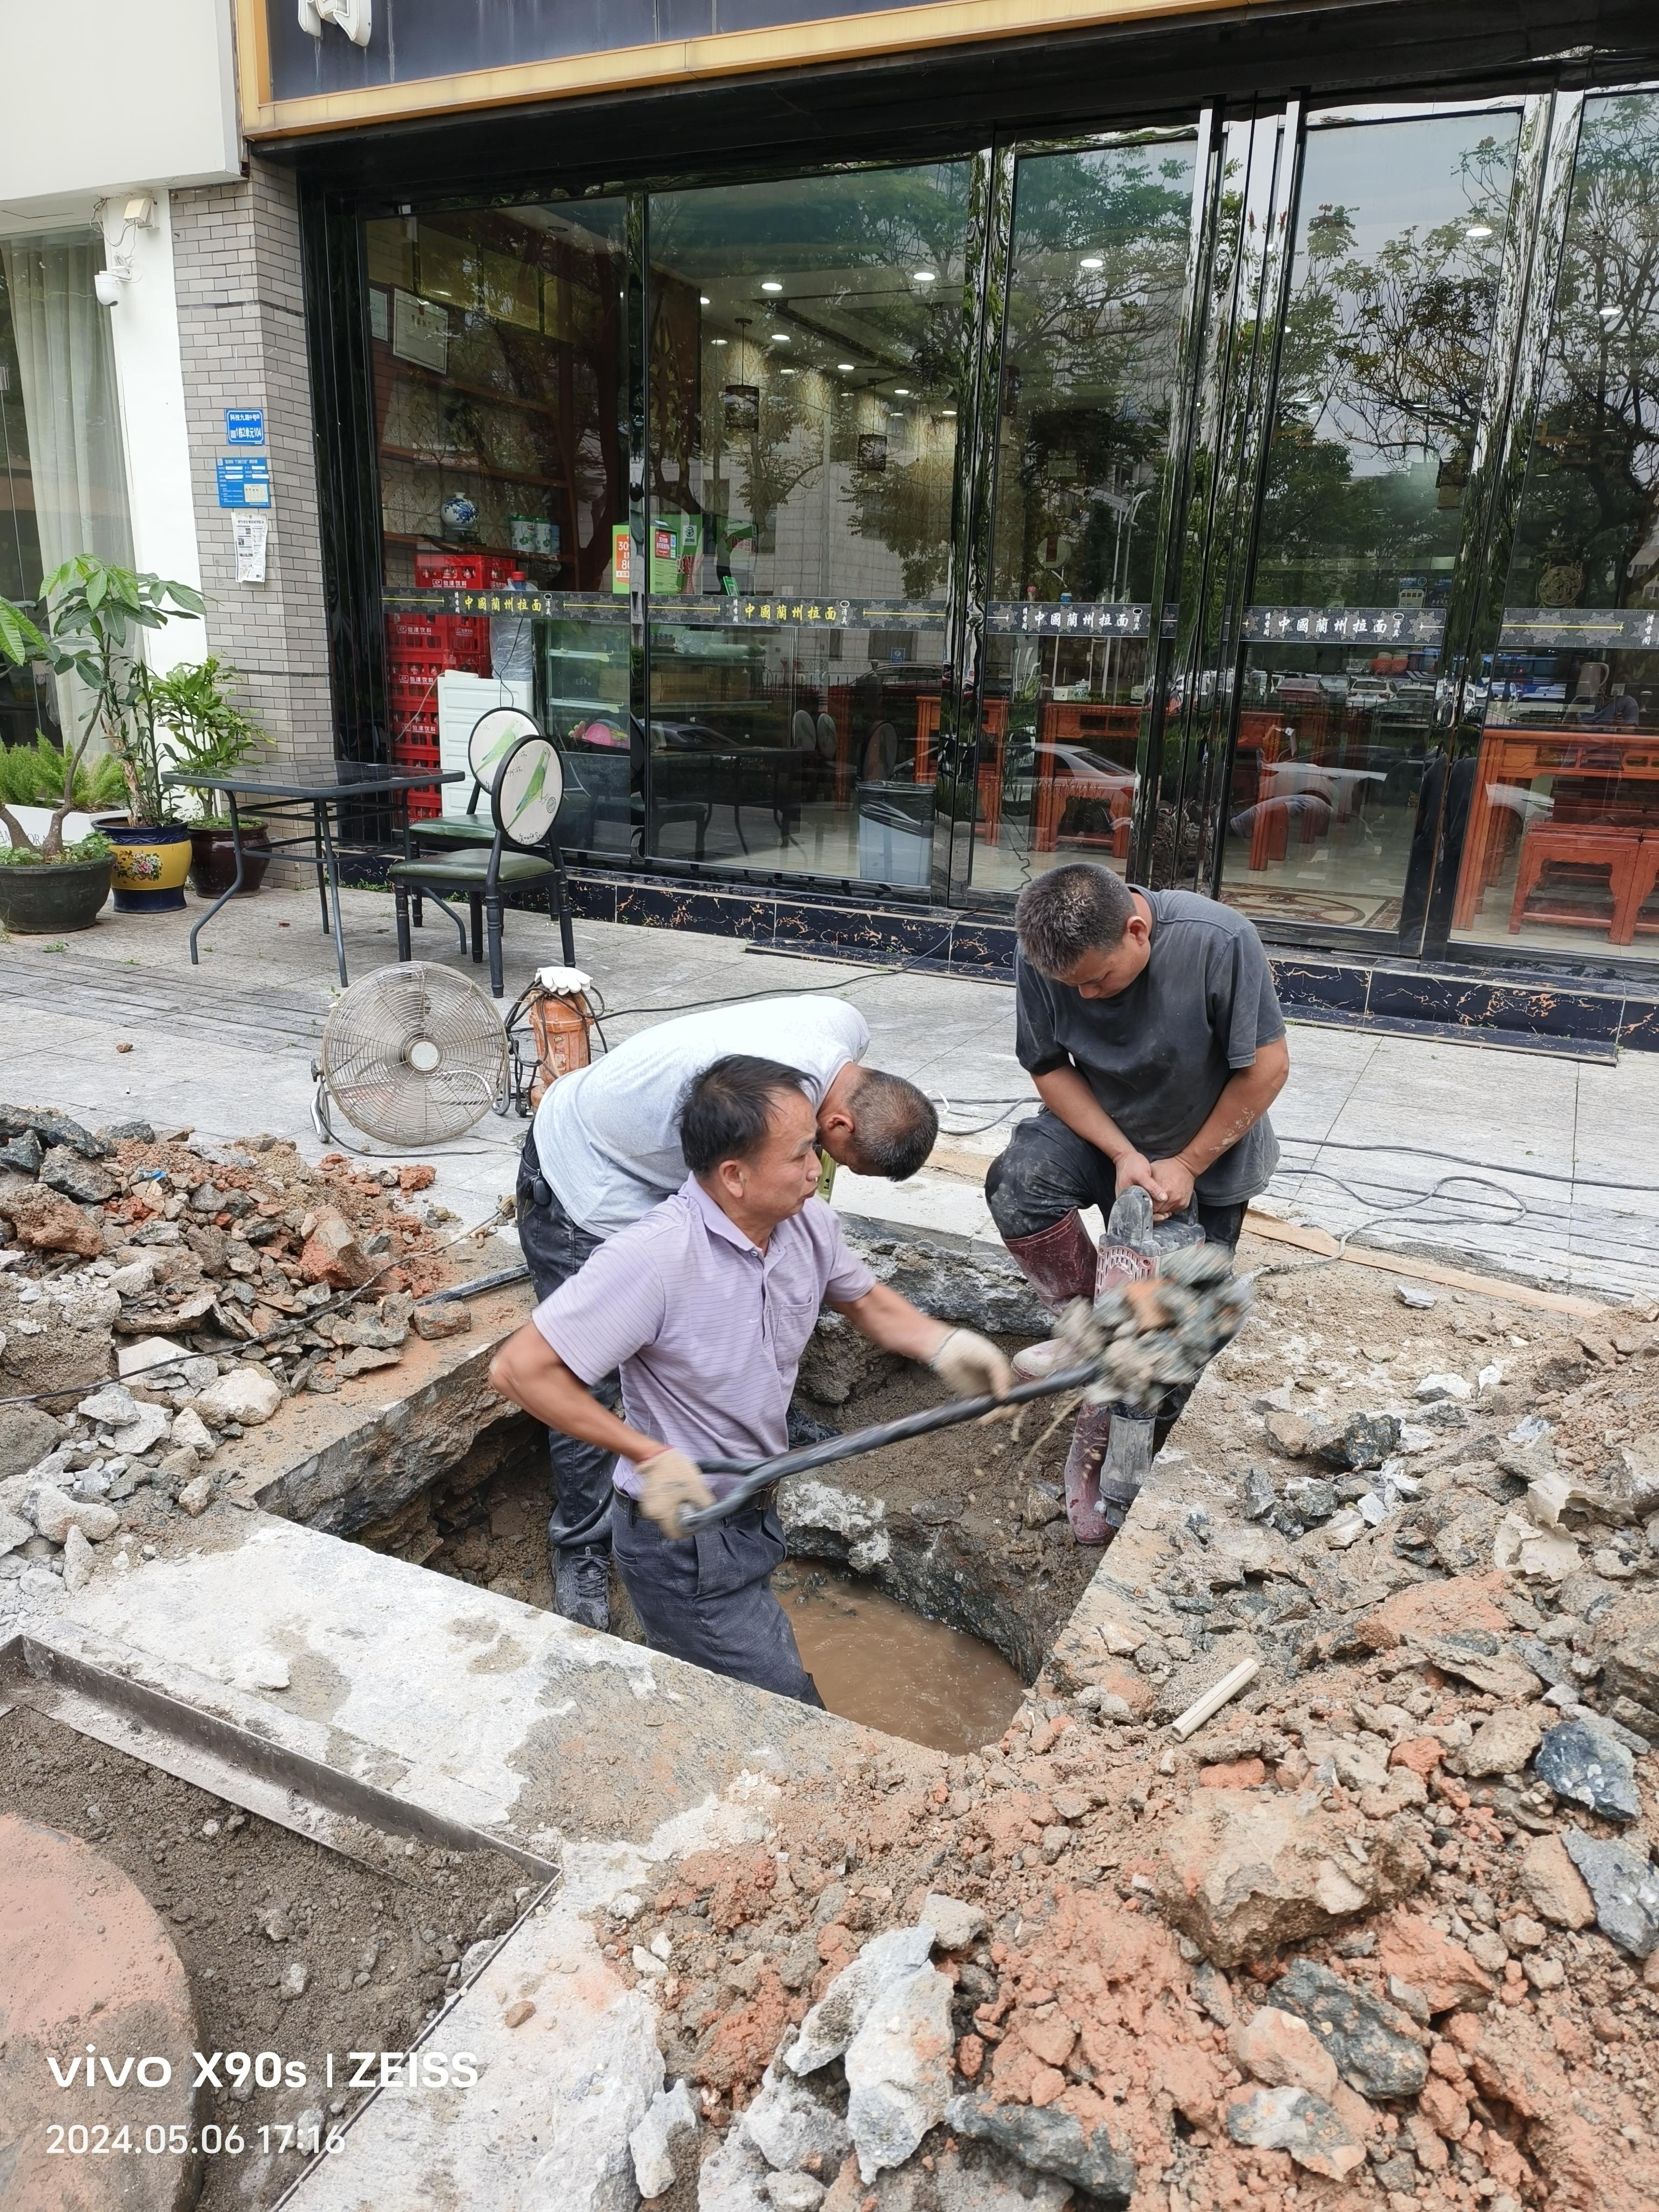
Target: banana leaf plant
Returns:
[[91, 615]]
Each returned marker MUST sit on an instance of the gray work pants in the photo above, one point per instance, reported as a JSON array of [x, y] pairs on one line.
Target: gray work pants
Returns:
[[707, 1598], [555, 1247]]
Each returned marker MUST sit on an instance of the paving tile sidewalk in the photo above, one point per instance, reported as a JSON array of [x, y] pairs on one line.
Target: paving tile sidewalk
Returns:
[[1503, 1159]]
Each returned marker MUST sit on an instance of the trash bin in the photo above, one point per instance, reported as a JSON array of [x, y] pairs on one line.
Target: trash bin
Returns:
[[895, 833]]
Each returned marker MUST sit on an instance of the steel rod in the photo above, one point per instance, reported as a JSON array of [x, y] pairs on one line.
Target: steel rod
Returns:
[[760, 1474]]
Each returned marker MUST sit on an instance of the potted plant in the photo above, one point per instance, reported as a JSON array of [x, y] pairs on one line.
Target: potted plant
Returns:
[[94, 613], [209, 733], [47, 886]]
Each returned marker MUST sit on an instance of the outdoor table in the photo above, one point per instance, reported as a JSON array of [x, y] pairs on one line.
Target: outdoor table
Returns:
[[291, 802]]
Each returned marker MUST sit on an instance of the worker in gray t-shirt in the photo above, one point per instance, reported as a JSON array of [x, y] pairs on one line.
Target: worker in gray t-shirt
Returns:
[[1149, 1023], [605, 1149]]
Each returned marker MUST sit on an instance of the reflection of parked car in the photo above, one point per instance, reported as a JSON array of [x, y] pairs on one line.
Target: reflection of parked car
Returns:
[[1297, 685], [689, 737]]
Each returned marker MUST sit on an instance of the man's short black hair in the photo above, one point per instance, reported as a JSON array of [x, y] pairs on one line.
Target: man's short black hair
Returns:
[[726, 1112], [893, 1125], [1069, 912]]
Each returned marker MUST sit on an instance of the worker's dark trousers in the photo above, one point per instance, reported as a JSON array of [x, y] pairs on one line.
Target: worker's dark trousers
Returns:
[[1049, 1171], [555, 1247], [707, 1598]]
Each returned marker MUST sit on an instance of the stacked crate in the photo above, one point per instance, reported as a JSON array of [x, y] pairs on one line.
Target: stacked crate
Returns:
[[421, 647]]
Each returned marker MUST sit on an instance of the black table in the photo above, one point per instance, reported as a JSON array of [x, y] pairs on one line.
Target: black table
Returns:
[[291, 802]]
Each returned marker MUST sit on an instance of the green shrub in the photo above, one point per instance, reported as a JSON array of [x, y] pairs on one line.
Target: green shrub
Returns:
[[33, 775], [96, 847]]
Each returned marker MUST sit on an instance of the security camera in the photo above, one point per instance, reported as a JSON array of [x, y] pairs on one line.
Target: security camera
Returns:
[[107, 286]]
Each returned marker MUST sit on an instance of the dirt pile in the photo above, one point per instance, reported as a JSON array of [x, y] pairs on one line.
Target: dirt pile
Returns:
[[169, 1295], [1385, 1930]]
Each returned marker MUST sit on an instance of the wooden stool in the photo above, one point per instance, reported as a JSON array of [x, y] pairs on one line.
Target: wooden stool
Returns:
[[1549, 845], [1644, 879]]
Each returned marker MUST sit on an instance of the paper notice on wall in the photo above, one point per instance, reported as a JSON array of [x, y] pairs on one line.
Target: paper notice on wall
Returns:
[[253, 535]]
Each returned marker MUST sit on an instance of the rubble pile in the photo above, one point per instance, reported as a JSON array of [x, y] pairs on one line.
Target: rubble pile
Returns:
[[159, 1297], [1383, 1931]]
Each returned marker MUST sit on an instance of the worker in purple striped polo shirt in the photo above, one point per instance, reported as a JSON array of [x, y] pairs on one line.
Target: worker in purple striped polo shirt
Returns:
[[706, 1306]]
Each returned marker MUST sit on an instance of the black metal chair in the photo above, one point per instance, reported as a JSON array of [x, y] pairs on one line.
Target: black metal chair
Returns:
[[522, 771]]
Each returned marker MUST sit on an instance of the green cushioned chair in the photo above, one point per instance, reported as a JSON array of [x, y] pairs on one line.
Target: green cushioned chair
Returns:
[[521, 769]]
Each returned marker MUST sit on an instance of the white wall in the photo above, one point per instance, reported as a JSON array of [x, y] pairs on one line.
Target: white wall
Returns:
[[105, 94], [150, 376]]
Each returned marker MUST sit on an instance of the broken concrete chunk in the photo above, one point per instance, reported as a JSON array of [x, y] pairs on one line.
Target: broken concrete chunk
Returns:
[[192, 1432], [77, 1561], [1435, 1387], [1627, 1644], [1373, 2051], [431, 1323], [1583, 1761], [794, 2193], [1299, 1435], [53, 1128], [54, 1515], [1244, 1873], [246, 1396], [787, 2122], [364, 1359], [665, 2143], [46, 1222], [196, 1495], [731, 2179], [1420, 1300], [841, 2012], [149, 1352], [955, 1924], [114, 1407], [1049, 2141], [22, 1154], [64, 1171], [27, 1435], [898, 2069], [1555, 1889], [1365, 1441], [1413, 1951], [1624, 1887], [1290, 2120], [1280, 2051], [1506, 1742], [333, 1255], [142, 1433]]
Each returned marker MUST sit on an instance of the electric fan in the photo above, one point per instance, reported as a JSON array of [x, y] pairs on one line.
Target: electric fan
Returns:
[[412, 1054]]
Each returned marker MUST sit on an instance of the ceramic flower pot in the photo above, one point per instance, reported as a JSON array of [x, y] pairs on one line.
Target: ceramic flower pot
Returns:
[[151, 863], [213, 859], [53, 898]]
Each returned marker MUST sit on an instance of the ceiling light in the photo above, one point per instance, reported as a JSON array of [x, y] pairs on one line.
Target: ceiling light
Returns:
[[778, 337], [846, 365], [771, 284], [1092, 263], [1609, 312], [900, 392], [703, 299], [788, 371], [720, 342], [922, 275], [1478, 230], [947, 414]]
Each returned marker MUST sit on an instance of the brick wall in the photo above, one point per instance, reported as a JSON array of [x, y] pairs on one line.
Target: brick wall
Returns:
[[241, 328]]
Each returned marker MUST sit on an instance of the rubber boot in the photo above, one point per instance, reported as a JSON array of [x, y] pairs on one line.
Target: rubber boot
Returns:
[[1061, 1262], [1127, 1254]]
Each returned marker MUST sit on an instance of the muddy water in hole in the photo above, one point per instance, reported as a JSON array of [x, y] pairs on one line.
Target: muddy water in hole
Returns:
[[873, 1661]]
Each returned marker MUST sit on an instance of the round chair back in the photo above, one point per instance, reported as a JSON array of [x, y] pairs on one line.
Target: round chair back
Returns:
[[523, 799], [494, 736]]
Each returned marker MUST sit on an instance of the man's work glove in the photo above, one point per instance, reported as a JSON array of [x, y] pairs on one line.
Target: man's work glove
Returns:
[[673, 1484], [972, 1366]]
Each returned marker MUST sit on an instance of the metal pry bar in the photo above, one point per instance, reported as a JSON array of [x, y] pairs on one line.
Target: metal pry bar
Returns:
[[1141, 1340]]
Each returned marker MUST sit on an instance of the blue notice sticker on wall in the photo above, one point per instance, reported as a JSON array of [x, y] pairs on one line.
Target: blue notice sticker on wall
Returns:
[[245, 426], [244, 483]]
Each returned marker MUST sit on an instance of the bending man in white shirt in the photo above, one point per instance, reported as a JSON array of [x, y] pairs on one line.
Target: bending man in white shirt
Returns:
[[605, 1149]]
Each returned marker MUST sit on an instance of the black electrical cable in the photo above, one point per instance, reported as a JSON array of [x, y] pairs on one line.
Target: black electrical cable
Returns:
[[862, 975]]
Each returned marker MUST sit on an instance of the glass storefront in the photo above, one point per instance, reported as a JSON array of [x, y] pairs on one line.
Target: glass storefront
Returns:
[[1561, 801], [1091, 359], [1385, 373], [893, 528]]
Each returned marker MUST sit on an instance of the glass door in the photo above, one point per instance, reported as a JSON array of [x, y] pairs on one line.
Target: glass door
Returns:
[[1557, 802], [1387, 377], [804, 352], [1081, 456]]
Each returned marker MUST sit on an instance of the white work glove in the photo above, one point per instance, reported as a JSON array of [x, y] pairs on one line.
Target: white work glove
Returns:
[[972, 1366], [673, 1484]]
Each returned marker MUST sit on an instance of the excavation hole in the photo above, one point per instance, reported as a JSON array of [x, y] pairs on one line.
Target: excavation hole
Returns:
[[876, 1662]]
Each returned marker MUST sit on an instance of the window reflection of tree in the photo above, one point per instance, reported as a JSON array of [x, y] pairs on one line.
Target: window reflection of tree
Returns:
[[1382, 375], [1088, 366], [1589, 525]]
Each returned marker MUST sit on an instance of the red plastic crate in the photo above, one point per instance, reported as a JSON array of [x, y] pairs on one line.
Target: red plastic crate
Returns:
[[412, 635], [424, 805], [450, 572], [414, 752]]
